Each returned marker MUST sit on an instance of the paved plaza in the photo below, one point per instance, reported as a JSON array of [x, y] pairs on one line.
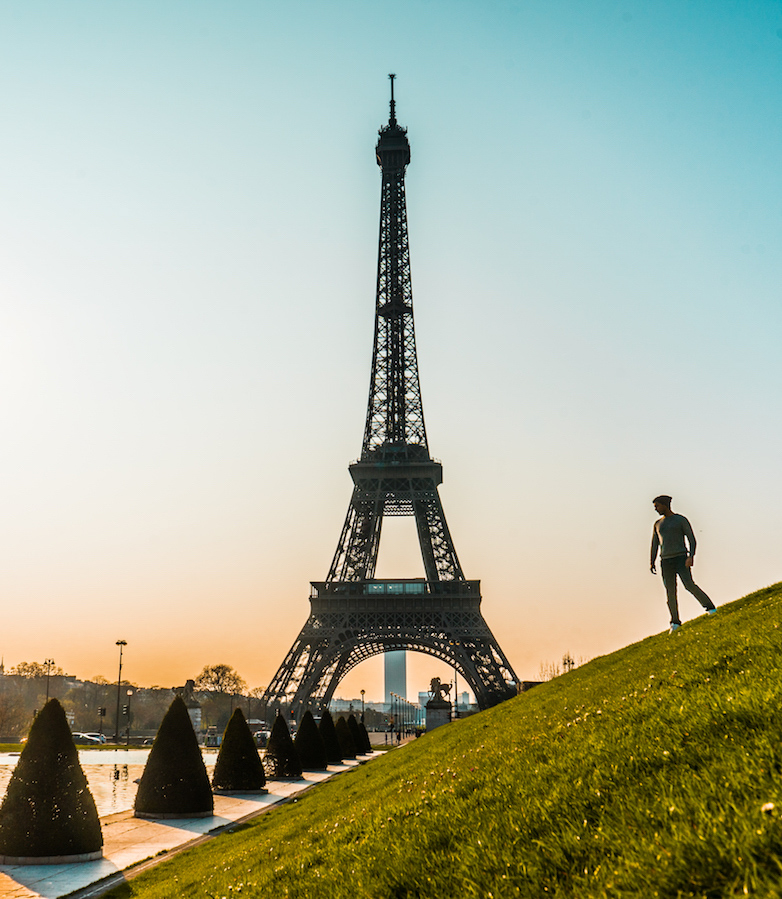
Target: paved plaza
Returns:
[[127, 841]]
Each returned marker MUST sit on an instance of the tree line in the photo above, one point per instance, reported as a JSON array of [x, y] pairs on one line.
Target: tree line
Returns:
[[25, 688]]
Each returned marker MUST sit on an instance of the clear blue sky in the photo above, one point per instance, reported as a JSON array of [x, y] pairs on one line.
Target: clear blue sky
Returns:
[[188, 214]]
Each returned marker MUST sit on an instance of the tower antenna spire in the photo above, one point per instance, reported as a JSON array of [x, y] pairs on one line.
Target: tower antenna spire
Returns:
[[392, 117]]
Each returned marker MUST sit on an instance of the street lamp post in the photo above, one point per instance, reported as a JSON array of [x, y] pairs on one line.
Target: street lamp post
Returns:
[[48, 663], [362, 706], [119, 643]]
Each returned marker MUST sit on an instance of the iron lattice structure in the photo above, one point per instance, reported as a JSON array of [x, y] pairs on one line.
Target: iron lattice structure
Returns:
[[354, 616]]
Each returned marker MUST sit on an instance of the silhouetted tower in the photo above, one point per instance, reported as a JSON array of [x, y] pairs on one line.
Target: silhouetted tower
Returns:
[[354, 616]]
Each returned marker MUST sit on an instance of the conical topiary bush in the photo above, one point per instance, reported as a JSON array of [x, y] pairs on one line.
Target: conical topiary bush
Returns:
[[330, 739], [347, 747], [48, 811], [281, 757], [310, 746], [175, 783], [239, 768], [355, 732], [365, 737]]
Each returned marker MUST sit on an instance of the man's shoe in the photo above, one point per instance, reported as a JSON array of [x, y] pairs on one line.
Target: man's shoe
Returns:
[[673, 628], [711, 611]]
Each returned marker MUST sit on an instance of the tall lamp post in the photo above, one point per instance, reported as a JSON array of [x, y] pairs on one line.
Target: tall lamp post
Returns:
[[362, 706], [120, 643], [48, 663]]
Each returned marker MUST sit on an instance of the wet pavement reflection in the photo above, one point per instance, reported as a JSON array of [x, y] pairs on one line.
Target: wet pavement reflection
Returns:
[[111, 775]]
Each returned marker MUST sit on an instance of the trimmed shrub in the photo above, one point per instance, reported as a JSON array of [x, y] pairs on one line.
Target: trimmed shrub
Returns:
[[174, 782], [48, 809], [365, 737], [281, 757], [355, 732], [310, 746], [330, 739], [346, 745], [239, 767]]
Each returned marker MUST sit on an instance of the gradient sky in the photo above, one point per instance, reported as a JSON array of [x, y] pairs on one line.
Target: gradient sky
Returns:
[[188, 211]]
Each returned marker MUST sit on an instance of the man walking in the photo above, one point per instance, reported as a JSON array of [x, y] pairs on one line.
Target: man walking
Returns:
[[676, 557]]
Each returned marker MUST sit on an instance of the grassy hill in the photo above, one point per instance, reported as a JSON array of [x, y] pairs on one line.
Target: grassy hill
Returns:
[[650, 772]]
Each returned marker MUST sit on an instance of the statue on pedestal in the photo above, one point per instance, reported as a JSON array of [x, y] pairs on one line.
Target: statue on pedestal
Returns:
[[438, 709]]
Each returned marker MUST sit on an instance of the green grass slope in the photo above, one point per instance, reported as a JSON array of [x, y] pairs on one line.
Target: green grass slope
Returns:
[[648, 773]]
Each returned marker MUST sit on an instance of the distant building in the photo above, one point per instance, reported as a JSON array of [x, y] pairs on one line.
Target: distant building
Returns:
[[338, 704], [195, 718], [396, 674]]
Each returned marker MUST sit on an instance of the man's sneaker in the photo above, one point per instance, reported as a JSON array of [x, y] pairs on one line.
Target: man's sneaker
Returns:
[[673, 628], [711, 611]]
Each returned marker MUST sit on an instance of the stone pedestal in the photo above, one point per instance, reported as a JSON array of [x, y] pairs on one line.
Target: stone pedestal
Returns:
[[438, 712]]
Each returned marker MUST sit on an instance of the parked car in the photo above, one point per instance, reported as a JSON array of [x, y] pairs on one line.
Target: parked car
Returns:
[[261, 738], [101, 738], [85, 740]]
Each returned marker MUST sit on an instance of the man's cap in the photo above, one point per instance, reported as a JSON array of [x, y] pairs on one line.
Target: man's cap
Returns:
[[663, 499]]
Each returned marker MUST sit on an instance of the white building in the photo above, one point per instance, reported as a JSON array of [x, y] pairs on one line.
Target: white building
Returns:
[[395, 664]]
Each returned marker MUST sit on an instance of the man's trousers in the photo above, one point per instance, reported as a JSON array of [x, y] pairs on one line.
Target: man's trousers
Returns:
[[677, 565]]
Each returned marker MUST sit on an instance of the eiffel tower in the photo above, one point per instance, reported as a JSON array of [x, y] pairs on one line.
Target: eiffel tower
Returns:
[[353, 615]]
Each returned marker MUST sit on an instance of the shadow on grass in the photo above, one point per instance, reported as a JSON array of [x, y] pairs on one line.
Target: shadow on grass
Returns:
[[120, 891]]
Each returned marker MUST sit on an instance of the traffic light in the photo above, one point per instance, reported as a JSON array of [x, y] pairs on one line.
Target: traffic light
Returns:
[[102, 711], [125, 710]]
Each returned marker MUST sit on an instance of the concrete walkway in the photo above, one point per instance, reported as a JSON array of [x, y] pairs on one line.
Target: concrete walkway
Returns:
[[127, 841]]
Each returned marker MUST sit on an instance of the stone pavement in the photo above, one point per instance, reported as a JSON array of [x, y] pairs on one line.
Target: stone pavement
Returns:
[[128, 841]]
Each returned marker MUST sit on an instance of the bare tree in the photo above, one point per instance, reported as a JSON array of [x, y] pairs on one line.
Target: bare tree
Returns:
[[220, 679], [549, 670]]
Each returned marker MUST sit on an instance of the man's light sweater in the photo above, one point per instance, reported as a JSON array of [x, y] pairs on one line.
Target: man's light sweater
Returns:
[[670, 531]]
